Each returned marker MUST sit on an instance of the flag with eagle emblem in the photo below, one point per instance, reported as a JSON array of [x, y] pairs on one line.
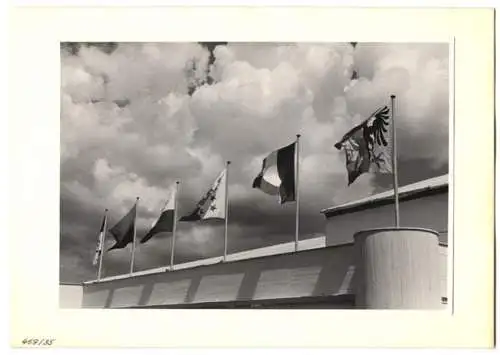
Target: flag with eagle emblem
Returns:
[[368, 146], [212, 205]]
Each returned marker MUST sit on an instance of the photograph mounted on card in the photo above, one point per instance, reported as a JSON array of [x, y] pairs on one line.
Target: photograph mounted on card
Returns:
[[254, 177]]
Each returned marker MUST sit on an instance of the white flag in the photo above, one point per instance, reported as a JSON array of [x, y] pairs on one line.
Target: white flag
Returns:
[[100, 241], [213, 203]]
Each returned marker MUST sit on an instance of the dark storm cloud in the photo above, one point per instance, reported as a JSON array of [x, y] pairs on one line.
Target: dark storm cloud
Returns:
[[74, 47]]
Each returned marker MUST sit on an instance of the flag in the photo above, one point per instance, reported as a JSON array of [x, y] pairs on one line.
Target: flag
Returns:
[[165, 223], [213, 203], [124, 230], [368, 146], [277, 176], [100, 241]]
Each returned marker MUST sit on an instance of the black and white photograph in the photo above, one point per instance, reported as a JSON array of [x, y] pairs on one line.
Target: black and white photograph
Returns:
[[255, 175], [199, 177]]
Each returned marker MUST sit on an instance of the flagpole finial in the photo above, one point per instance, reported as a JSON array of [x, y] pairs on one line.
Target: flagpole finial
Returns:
[[298, 135], [393, 96], [105, 210], [137, 198], [177, 182], [228, 162]]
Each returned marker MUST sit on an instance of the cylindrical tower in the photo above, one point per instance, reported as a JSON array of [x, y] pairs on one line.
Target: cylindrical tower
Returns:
[[397, 268]]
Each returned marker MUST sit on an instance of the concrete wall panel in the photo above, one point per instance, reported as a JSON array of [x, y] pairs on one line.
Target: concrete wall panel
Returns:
[[429, 212], [320, 272]]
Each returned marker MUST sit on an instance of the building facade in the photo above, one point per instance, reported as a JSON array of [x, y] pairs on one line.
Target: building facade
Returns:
[[326, 273]]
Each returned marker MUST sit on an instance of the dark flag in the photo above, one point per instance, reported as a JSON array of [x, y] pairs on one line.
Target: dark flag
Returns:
[[124, 230], [368, 146], [277, 176], [212, 205], [165, 222]]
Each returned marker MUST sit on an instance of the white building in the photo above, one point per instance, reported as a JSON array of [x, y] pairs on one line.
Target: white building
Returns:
[[326, 272], [70, 295]]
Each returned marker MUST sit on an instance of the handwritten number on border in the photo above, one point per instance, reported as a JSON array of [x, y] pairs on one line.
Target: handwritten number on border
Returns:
[[38, 341]]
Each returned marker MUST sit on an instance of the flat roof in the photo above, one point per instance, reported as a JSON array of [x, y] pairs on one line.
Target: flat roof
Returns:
[[277, 249], [422, 188]]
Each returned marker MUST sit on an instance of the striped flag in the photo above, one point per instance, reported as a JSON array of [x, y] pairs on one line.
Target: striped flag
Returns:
[[277, 176], [368, 146], [100, 241], [165, 223], [213, 204]]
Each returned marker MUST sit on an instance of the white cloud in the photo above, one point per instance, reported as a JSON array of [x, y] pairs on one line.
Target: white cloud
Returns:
[[264, 95]]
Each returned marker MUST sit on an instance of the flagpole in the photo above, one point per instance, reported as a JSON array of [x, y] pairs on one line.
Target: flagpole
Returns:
[[226, 209], [297, 194], [133, 241], [395, 164], [174, 229], [103, 239]]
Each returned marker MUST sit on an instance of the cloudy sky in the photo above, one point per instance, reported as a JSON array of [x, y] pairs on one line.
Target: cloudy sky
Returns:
[[130, 128]]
